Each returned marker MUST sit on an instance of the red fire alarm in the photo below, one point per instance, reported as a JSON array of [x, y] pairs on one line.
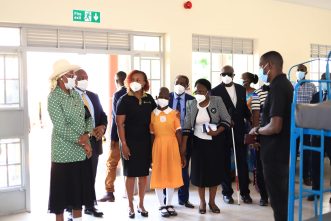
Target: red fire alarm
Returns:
[[188, 5]]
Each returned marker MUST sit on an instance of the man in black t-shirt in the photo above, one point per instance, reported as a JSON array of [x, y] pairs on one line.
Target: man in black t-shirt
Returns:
[[275, 133]]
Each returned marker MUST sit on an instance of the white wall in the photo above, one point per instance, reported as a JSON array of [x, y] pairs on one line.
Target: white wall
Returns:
[[287, 28]]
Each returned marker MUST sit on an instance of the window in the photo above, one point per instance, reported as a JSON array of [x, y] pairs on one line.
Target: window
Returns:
[[211, 53], [152, 67], [10, 163], [317, 68], [9, 80], [9, 36], [146, 43], [149, 60]]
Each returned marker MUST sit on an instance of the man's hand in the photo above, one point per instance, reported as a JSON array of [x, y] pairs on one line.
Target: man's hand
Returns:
[[99, 131], [183, 160]]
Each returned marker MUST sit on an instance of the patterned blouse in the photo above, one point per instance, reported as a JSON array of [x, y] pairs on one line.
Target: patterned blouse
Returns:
[[68, 117]]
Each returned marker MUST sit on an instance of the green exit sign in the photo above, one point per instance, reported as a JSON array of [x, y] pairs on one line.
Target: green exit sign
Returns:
[[86, 16]]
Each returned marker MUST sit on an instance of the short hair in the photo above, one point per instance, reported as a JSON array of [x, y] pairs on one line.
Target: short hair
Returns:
[[274, 57], [183, 76], [204, 82], [252, 77], [302, 66], [165, 89], [323, 76], [121, 75], [129, 79]]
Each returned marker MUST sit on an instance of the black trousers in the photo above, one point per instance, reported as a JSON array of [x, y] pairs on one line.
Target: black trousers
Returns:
[[260, 177], [307, 157], [316, 170], [183, 191], [94, 163], [241, 152], [276, 179]]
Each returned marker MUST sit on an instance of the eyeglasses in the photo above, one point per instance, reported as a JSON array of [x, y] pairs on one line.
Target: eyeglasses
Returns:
[[227, 74]]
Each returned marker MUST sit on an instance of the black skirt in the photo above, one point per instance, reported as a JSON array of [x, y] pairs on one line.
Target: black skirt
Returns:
[[140, 160], [71, 186], [207, 161]]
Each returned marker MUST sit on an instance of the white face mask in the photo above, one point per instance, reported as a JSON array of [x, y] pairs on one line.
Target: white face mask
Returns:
[[179, 89], [70, 83], [162, 102], [200, 98], [82, 84], [135, 86], [300, 75], [227, 79]]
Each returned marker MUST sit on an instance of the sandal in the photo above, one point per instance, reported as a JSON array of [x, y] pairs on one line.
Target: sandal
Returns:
[[131, 214], [164, 212], [171, 210], [214, 208], [143, 213]]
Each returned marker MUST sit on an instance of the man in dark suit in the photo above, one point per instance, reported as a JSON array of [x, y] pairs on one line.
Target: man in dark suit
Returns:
[[92, 102], [114, 154], [234, 98], [177, 101]]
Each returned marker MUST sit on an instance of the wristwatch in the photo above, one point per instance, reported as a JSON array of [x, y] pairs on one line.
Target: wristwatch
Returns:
[[257, 131]]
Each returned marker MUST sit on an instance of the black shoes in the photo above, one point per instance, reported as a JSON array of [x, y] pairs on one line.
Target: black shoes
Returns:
[[247, 199], [131, 214], [214, 208], [167, 211], [164, 211], [202, 208], [228, 199], [93, 211], [264, 202], [171, 210], [187, 204], [143, 213], [108, 197]]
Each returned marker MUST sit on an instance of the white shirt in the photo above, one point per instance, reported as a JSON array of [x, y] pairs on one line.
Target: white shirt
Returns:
[[202, 118], [232, 93]]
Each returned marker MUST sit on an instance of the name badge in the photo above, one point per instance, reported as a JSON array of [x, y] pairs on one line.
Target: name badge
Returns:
[[163, 119], [213, 110]]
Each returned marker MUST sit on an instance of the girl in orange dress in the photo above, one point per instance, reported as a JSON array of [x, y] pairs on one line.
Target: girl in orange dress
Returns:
[[166, 157]]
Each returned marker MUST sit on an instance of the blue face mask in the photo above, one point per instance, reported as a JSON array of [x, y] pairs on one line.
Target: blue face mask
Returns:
[[300, 75], [324, 86], [262, 75]]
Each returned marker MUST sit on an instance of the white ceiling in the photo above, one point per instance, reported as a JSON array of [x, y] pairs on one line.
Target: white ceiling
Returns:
[[325, 4]]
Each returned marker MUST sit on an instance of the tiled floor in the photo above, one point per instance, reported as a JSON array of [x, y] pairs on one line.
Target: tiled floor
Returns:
[[118, 210]]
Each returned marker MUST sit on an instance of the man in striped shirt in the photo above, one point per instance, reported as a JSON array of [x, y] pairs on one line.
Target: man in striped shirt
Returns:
[[304, 96], [257, 103]]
